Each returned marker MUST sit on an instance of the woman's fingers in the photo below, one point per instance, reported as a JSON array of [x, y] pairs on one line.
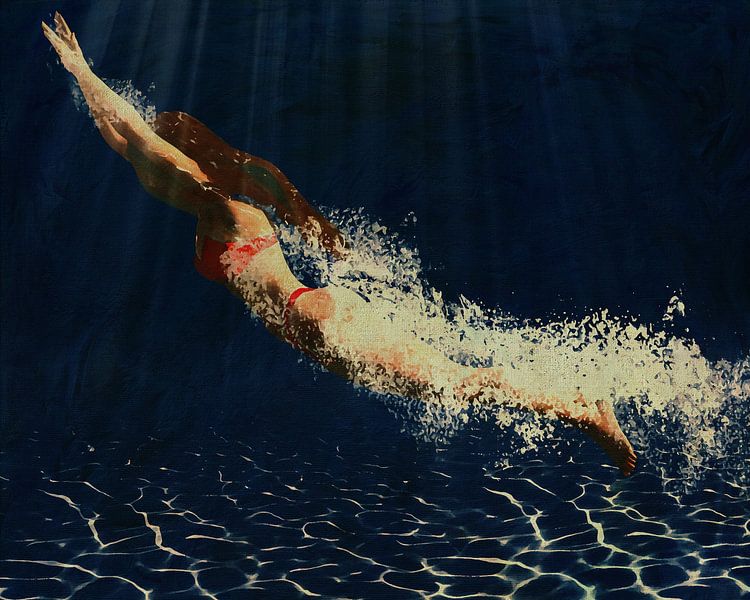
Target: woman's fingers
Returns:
[[67, 36], [60, 22], [48, 33], [61, 26], [53, 38]]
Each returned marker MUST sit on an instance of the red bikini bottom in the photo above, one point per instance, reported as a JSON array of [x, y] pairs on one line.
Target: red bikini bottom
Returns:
[[212, 268]]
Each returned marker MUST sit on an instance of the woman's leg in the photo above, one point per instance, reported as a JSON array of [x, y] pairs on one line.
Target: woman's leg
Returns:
[[355, 339], [596, 419]]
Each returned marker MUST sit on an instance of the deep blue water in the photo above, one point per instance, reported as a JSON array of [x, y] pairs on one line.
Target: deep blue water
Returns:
[[559, 157]]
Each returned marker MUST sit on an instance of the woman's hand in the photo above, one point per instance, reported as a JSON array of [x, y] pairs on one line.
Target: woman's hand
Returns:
[[64, 42]]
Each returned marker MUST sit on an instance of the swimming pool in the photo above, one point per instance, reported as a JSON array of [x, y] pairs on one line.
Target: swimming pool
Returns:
[[546, 159], [268, 516]]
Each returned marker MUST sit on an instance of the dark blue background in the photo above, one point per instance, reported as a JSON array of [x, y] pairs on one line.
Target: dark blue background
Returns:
[[558, 157]]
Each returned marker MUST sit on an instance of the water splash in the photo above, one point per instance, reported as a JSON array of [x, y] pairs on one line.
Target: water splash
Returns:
[[685, 413]]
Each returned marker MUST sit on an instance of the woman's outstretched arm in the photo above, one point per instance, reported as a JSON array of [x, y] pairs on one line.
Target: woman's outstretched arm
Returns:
[[164, 171], [181, 161]]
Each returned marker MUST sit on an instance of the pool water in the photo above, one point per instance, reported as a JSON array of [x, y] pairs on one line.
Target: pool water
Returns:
[[266, 516], [562, 187]]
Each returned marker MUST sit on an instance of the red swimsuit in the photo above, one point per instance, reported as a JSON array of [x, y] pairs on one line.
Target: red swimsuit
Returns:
[[212, 268]]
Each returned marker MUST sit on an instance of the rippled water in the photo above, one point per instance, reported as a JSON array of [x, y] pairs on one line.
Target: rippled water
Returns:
[[262, 517]]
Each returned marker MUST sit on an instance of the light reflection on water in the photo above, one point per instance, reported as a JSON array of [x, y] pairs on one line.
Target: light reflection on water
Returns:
[[257, 517]]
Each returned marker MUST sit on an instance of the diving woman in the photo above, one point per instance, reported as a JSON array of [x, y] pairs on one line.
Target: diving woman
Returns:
[[185, 165]]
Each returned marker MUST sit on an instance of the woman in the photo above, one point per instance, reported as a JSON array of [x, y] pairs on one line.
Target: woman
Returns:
[[187, 166]]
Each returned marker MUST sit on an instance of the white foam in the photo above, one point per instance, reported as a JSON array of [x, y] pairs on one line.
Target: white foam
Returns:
[[685, 412]]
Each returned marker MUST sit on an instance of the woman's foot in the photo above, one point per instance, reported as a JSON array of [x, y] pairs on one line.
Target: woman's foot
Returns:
[[603, 428], [598, 421]]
